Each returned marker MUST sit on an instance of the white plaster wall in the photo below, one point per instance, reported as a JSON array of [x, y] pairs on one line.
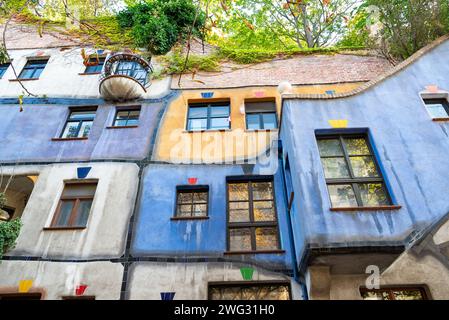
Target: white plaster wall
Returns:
[[15, 200], [406, 270], [57, 279], [442, 235], [190, 280], [108, 220], [61, 77]]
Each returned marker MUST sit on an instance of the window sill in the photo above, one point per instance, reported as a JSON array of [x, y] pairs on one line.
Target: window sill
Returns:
[[89, 74], [188, 218], [63, 228], [379, 208], [440, 119], [17, 80], [121, 127], [261, 130], [207, 130], [254, 252], [68, 139]]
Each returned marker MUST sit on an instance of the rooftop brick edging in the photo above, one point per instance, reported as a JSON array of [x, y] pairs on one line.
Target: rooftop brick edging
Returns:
[[317, 69], [401, 66]]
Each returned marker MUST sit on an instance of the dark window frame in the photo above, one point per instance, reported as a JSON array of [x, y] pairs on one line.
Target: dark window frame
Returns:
[[261, 113], [77, 199], [252, 224], [443, 101], [37, 66], [191, 189], [353, 180], [78, 297], [209, 106], [21, 296], [128, 109], [390, 289], [80, 121], [101, 61], [262, 283], [3, 68]]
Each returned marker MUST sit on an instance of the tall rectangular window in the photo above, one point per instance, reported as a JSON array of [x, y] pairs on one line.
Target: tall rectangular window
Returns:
[[33, 69], [212, 116], [261, 115], [94, 65], [437, 108], [394, 293], [191, 201], [3, 68], [249, 291], [127, 118], [352, 175], [78, 124], [74, 206], [252, 219]]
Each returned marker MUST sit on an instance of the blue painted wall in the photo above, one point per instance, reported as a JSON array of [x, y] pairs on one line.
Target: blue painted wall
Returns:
[[411, 148], [157, 234], [28, 134]]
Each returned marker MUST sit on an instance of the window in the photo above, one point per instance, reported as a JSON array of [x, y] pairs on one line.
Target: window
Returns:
[[20, 296], [78, 124], [261, 115], [252, 221], [191, 202], [398, 293], [131, 69], [249, 291], [351, 172], [33, 69], [3, 68], [127, 118], [78, 298], [212, 116], [95, 68], [74, 206], [437, 108]]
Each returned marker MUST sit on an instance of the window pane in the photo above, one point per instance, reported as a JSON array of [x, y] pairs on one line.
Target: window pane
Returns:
[[85, 128], [71, 130], [371, 295], [363, 167], [219, 123], [79, 190], [120, 123], [37, 72], [238, 191], [335, 168], [408, 295], [269, 121], [82, 115], [132, 122], [197, 112], [64, 213], [330, 147], [197, 124], [373, 194], [342, 196], [83, 212], [437, 111], [240, 239], [264, 211], [200, 197], [356, 146], [199, 210], [219, 112], [185, 197], [266, 239], [134, 114], [252, 122], [239, 212], [262, 190], [26, 73], [184, 210]]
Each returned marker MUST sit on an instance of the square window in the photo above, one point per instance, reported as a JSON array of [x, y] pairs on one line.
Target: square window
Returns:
[[437, 108], [79, 124], [127, 118], [74, 205], [192, 202], [249, 291], [95, 65], [33, 69], [261, 115], [352, 175], [212, 116]]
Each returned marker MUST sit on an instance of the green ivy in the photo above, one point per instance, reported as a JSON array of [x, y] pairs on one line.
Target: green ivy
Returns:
[[9, 231], [174, 63]]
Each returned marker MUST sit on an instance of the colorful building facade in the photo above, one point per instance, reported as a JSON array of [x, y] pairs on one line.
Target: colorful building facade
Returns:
[[133, 188]]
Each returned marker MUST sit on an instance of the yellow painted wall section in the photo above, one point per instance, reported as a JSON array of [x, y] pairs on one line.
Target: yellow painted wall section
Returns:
[[177, 145]]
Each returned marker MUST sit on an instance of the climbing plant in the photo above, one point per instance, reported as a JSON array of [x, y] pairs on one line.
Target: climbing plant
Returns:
[[158, 25], [9, 231]]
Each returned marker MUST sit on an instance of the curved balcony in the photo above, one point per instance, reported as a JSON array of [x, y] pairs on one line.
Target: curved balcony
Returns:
[[125, 76]]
